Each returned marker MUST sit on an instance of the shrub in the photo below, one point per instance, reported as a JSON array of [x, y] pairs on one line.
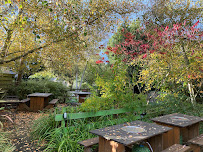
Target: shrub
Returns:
[[31, 86], [123, 100]]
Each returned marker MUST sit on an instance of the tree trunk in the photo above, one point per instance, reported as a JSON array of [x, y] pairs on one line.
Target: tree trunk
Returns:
[[76, 78], [20, 72], [192, 94], [83, 75], [190, 86]]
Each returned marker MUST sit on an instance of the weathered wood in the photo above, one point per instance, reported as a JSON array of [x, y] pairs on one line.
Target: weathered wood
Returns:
[[110, 146], [52, 104], [6, 80], [39, 95], [196, 143], [178, 148], [145, 130], [89, 142], [187, 126], [171, 137], [156, 143], [25, 100], [22, 106], [38, 101], [170, 120], [54, 101]]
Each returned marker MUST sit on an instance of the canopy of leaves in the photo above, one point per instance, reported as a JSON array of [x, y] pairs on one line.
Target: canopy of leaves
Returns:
[[60, 31]]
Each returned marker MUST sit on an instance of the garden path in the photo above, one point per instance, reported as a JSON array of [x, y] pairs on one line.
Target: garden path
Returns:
[[20, 132]]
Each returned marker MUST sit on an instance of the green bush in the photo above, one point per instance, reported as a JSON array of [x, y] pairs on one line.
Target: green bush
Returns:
[[31, 86], [123, 100]]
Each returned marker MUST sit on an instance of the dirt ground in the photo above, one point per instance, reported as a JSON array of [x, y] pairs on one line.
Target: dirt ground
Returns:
[[20, 131]]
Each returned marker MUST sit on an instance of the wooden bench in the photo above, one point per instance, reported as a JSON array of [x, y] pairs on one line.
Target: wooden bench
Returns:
[[24, 104], [90, 142], [52, 104], [178, 148], [196, 143]]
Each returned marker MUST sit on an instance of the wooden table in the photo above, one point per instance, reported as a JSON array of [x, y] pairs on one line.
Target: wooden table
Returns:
[[82, 96], [38, 101], [187, 126], [120, 138], [4, 103]]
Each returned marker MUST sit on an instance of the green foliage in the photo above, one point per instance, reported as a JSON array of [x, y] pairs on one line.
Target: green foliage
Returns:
[[116, 91], [31, 86], [43, 75], [78, 130], [173, 103], [5, 144]]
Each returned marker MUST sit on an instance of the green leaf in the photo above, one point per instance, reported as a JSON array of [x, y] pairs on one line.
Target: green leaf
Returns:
[[50, 10], [44, 3], [85, 33], [38, 36], [21, 6]]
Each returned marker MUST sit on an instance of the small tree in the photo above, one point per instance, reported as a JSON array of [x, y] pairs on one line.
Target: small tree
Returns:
[[167, 54]]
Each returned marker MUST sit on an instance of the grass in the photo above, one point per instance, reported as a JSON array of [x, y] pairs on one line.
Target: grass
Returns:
[[5, 144], [47, 129]]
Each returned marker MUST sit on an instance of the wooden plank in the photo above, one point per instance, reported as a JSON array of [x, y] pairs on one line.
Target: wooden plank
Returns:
[[193, 131], [171, 137], [195, 148], [23, 106], [178, 148], [110, 146], [156, 143], [197, 140], [36, 103], [176, 135], [6, 78], [59, 117], [25, 100], [89, 142], [190, 132], [54, 101]]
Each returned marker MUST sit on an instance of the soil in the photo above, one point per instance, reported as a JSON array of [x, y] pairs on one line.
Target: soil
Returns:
[[20, 131]]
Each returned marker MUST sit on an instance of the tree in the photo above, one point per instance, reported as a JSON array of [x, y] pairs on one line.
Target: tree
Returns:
[[74, 24], [167, 12], [168, 55]]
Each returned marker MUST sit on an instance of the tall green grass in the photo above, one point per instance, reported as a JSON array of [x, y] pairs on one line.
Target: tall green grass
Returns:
[[5, 143], [47, 129]]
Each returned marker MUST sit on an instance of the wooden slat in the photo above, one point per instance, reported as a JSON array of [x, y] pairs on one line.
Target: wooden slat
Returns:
[[197, 140], [54, 101], [6, 79], [59, 117], [110, 146], [178, 148], [89, 142], [171, 137], [25, 100]]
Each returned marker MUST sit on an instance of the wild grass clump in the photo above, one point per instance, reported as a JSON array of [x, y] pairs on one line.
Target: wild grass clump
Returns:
[[5, 143], [77, 130]]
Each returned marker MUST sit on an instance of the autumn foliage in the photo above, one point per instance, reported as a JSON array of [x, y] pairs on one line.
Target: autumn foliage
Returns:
[[160, 40]]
